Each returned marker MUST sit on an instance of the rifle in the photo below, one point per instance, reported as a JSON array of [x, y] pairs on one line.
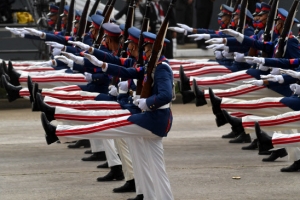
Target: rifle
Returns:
[[156, 51], [106, 19], [242, 19], [228, 2], [140, 61], [70, 18], [60, 11], [270, 24], [94, 8], [236, 5], [82, 21], [109, 2], [128, 24], [287, 26]]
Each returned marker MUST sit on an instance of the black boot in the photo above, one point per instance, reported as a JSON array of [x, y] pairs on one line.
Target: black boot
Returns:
[[184, 80], [34, 105], [88, 152], [104, 165], [200, 98], [232, 134], [4, 66], [242, 138], [13, 75], [275, 154], [187, 96], [30, 88], [79, 144], [138, 197], [129, 186], [3, 73], [97, 156], [48, 110], [220, 120], [252, 146], [49, 129], [115, 173], [235, 122], [264, 141], [293, 168], [215, 102], [11, 90]]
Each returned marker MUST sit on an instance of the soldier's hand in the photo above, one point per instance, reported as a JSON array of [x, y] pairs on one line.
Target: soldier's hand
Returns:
[[239, 57], [65, 60], [255, 82], [88, 76], [200, 36], [258, 60], [178, 30], [142, 104], [77, 59], [215, 41], [273, 78], [275, 71], [56, 52], [55, 45], [135, 98], [291, 73], [227, 54], [35, 32], [218, 55], [113, 90], [237, 35], [93, 60], [295, 88], [123, 85], [216, 46], [185, 27], [80, 45]]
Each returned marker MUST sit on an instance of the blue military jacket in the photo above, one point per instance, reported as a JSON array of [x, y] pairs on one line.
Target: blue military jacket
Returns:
[[158, 121]]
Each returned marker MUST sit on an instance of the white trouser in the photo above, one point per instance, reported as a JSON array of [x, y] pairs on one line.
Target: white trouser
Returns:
[[122, 128], [111, 153], [97, 145], [53, 80], [126, 159], [83, 105], [262, 107], [244, 92]]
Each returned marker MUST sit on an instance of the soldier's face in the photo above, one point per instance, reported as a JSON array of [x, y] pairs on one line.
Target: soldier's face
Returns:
[[226, 19], [256, 18], [53, 18], [263, 18], [64, 20], [148, 50], [236, 19], [279, 25], [133, 48]]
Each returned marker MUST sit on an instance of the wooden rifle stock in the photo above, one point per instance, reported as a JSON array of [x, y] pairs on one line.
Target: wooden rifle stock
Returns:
[[82, 21], [242, 19], [94, 8], [156, 51], [106, 7], [228, 2], [106, 19], [128, 24], [59, 18], [140, 61], [287, 26], [270, 24], [70, 18]]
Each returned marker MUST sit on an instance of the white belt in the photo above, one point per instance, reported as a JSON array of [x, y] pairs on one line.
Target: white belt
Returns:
[[164, 106]]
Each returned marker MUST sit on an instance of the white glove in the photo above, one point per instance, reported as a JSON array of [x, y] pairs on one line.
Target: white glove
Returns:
[[77, 59], [56, 52], [135, 98], [80, 45], [178, 30], [200, 36], [113, 90], [239, 37], [239, 57], [217, 46], [275, 71], [227, 54], [35, 32], [291, 73], [185, 27], [123, 85], [258, 60], [215, 41], [295, 88], [255, 82], [218, 54], [55, 45], [65, 60], [263, 68], [142, 104], [88, 76], [93, 60], [273, 78], [13, 31]]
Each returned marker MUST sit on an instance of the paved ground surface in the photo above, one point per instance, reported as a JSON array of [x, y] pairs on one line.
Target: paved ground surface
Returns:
[[200, 164]]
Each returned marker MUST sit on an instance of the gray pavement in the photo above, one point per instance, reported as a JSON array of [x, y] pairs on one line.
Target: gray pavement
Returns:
[[199, 163]]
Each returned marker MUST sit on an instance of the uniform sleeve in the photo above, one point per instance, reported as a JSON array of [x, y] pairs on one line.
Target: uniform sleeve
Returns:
[[107, 57], [205, 31], [282, 63], [250, 42], [128, 73], [163, 78], [56, 38]]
